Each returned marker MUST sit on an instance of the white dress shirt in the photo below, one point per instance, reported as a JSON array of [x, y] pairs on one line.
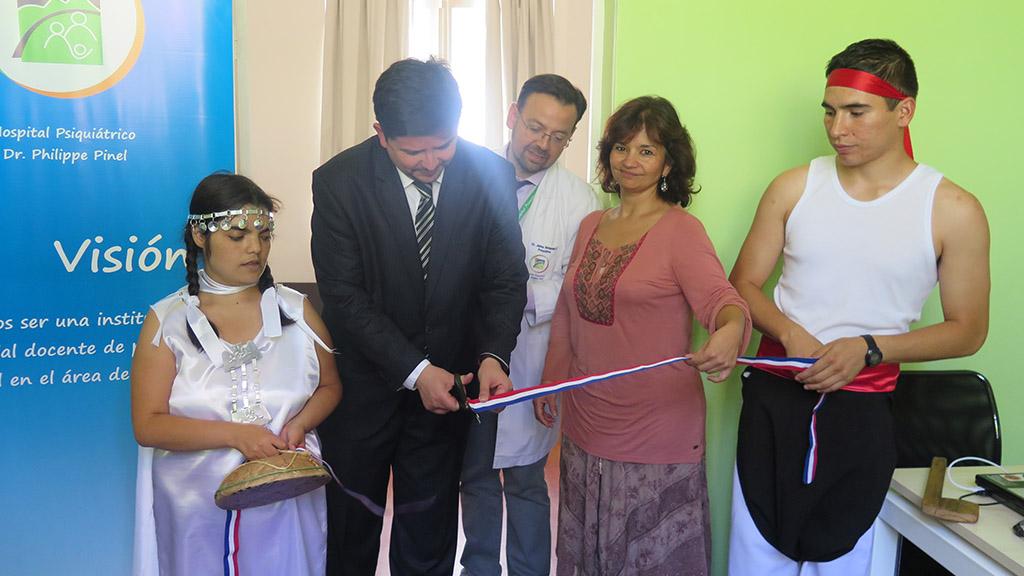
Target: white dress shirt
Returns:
[[412, 194]]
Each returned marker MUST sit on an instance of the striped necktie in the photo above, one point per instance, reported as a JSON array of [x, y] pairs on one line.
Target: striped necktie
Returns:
[[424, 223]]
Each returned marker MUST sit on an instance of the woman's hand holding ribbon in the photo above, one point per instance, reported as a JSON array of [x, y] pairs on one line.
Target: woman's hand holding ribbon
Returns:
[[717, 356]]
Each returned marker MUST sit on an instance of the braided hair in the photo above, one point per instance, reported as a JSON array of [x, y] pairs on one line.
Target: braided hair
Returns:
[[218, 192]]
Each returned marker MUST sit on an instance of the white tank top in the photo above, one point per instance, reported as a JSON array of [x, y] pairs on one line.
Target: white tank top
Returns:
[[853, 267]]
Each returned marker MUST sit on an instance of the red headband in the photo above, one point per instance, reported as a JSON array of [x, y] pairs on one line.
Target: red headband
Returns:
[[868, 82]]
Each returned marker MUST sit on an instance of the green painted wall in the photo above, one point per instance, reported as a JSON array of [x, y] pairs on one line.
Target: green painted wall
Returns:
[[747, 79]]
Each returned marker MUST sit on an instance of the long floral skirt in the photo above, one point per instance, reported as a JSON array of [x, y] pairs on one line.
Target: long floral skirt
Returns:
[[619, 518]]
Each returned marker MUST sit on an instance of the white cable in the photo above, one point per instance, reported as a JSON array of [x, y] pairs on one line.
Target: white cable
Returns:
[[975, 489]]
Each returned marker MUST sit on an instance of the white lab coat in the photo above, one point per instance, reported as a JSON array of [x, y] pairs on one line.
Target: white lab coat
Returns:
[[549, 231]]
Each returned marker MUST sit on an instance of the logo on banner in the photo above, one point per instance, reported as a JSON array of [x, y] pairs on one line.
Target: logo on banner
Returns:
[[69, 48]]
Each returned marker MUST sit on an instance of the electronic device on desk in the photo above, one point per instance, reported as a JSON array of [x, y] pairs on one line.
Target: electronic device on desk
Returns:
[[1006, 488]]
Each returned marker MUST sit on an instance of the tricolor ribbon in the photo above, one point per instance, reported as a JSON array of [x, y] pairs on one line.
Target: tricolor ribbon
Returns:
[[769, 363], [231, 542], [524, 394], [811, 460], [868, 82]]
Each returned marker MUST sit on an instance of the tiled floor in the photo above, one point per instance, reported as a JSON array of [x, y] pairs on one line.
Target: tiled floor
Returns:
[[550, 474]]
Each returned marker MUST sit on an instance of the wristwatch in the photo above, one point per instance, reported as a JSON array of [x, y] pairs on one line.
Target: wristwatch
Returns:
[[874, 355]]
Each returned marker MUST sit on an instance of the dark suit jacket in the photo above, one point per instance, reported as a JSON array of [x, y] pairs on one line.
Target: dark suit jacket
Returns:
[[382, 315]]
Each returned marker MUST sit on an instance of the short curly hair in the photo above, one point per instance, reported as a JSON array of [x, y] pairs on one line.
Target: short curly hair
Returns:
[[658, 117]]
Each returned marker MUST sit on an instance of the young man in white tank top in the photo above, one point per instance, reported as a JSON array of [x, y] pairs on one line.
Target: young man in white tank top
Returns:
[[864, 236]]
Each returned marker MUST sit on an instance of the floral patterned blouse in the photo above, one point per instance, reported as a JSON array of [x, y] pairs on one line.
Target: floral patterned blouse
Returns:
[[629, 305]]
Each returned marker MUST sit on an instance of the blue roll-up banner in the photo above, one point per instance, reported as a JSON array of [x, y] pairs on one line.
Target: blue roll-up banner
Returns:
[[110, 112]]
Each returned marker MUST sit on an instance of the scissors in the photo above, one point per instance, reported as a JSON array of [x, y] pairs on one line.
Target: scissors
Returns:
[[459, 391]]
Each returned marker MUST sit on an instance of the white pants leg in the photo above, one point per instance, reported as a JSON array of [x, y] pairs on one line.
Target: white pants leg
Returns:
[[751, 555]]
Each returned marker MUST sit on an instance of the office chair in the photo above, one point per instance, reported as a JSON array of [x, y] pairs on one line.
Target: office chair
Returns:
[[950, 413]]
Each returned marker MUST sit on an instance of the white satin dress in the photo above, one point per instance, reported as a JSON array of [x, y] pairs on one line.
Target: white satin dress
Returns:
[[178, 529]]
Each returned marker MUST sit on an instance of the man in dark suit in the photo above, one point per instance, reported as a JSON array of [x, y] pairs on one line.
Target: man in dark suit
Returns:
[[419, 261]]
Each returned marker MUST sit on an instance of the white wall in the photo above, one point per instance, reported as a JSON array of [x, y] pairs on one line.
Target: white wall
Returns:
[[278, 55], [574, 33]]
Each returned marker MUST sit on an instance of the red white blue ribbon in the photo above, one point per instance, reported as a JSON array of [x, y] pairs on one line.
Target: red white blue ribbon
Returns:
[[231, 523], [524, 394], [811, 460]]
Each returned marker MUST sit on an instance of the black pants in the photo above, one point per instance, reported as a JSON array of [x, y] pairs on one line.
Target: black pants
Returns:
[[424, 452], [856, 457]]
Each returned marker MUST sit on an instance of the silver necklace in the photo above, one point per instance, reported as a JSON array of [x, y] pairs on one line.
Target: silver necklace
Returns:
[[240, 361]]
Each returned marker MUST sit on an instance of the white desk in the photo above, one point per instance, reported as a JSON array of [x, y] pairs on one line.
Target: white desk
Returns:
[[988, 547]]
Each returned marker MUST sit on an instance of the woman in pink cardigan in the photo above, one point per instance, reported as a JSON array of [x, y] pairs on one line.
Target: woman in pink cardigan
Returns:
[[633, 491]]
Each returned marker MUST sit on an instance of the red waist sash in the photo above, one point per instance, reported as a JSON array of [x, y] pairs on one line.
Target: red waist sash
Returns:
[[881, 378]]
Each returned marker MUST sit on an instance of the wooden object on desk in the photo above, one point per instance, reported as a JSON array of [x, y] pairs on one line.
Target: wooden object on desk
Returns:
[[933, 504], [965, 549]]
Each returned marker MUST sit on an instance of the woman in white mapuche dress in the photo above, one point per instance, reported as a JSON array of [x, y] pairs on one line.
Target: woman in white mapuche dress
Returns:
[[229, 368]]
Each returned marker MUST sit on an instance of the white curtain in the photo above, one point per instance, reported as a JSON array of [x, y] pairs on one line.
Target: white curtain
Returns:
[[361, 39], [526, 40], [520, 41]]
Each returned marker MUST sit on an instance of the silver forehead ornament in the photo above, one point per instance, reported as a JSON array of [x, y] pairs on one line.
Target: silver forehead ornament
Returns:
[[215, 221]]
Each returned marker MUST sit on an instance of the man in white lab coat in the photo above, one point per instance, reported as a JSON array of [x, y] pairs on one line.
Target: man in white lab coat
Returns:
[[552, 202]]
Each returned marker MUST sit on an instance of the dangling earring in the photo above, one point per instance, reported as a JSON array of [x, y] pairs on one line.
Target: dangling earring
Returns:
[[664, 185]]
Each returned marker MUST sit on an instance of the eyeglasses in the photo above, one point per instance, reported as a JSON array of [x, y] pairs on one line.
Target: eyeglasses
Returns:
[[560, 139]]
